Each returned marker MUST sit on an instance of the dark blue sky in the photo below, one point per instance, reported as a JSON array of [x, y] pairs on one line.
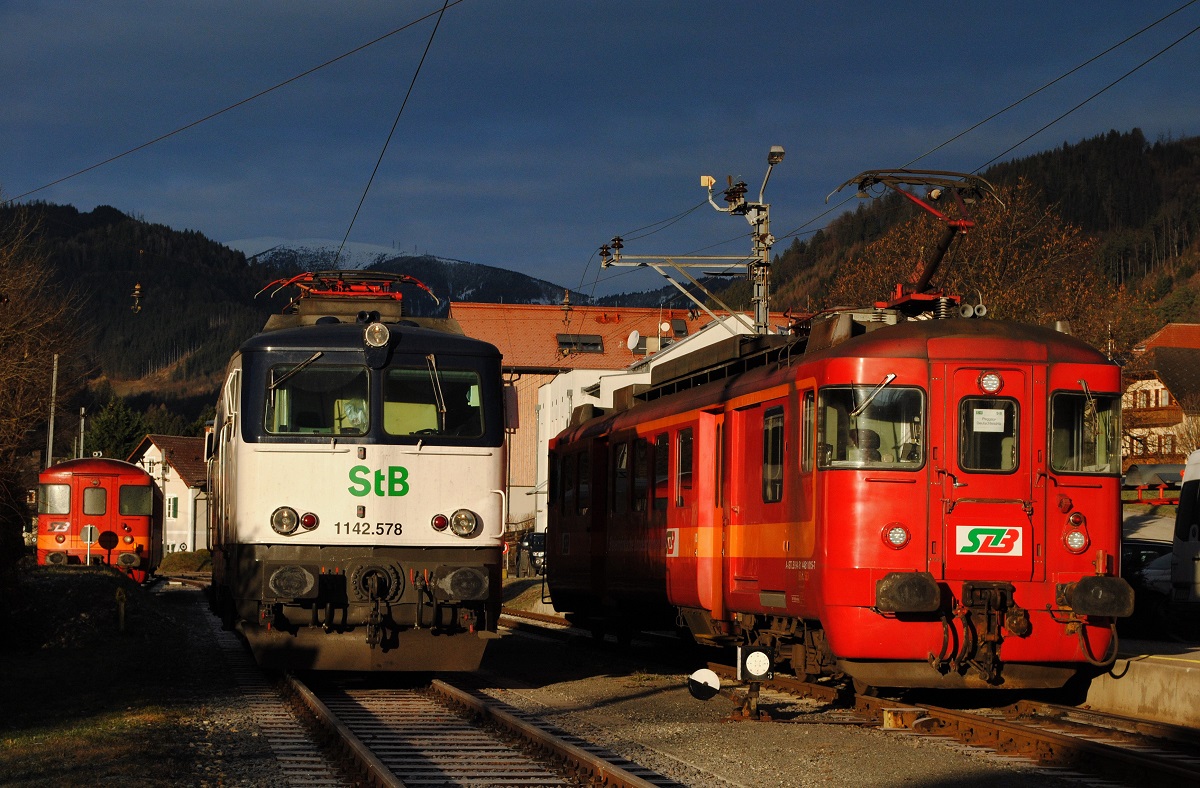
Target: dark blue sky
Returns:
[[539, 129]]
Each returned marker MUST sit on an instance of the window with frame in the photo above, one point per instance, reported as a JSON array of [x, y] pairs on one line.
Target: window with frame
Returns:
[[619, 479], [866, 426], [136, 500], [641, 474], [683, 467], [317, 399], [807, 434], [172, 507], [662, 471], [54, 499], [95, 500], [988, 434], [584, 499], [1085, 433], [772, 461]]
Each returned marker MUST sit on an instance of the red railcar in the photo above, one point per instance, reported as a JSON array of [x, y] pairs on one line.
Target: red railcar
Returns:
[[907, 502], [100, 511]]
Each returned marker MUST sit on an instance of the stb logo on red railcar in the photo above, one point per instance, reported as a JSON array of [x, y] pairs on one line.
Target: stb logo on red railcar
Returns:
[[988, 540]]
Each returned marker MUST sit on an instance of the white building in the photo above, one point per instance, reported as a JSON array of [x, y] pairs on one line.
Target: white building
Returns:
[[177, 465]]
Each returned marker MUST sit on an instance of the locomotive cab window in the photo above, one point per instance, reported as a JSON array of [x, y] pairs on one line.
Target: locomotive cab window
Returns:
[[312, 399], [54, 499], [136, 500], [432, 401], [875, 426], [772, 467], [987, 434], [1085, 433]]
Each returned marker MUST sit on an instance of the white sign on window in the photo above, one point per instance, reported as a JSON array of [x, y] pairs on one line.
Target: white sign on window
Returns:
[[988, 420]]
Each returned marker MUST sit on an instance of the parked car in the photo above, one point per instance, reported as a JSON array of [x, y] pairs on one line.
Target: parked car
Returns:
[[531, 555], [1146, 565]]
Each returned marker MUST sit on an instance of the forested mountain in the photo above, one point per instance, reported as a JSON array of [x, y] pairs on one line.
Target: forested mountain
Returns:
[[1140, 201]]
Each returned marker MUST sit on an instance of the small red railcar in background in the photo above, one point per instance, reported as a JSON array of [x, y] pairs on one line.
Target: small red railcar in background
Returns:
[[907, 502], [100, 511]]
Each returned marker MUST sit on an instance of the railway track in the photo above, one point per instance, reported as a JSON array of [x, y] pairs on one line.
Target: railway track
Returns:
[[1122, 749], [445, 735]]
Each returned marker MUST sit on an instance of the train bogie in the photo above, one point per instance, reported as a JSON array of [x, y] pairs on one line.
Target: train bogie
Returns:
[[931, 503]]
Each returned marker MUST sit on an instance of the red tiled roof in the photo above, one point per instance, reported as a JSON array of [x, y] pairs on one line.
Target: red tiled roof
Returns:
[[527, 334], [185, 455], [1185, 335]]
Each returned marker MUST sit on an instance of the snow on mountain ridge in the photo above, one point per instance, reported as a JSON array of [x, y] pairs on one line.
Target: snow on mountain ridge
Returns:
[[320, 251]]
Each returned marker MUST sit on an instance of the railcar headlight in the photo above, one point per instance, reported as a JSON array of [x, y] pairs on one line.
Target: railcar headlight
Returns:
[[309, 521], [464, 523], [1076, 540], [127, 539], [991, 382], [895, 535], [60, 538], [376, 335], [284, 520], [440, 522]]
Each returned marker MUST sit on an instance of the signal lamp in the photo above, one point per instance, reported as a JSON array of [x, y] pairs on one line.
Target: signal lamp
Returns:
[[1077, 519], [440, 522], [895, 535], [464, 523], [309, 521], [284, 520], [991, 383]]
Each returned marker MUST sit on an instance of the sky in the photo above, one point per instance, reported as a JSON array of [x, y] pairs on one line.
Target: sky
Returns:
[[536, 130]]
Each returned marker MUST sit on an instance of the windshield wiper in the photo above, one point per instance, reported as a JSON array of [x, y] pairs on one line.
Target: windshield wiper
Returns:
[[431, 361], [871, 397], [277, 383]]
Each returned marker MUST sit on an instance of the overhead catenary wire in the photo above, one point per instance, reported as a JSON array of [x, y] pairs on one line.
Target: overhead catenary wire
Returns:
[[412, 83], [235, 105]]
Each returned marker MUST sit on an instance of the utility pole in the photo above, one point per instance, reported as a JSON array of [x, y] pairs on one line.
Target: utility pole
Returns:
[[50, 429], [758, 214], [758, 266]]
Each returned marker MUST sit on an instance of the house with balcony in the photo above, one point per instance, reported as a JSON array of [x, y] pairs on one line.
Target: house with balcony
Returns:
[[1161, 403]]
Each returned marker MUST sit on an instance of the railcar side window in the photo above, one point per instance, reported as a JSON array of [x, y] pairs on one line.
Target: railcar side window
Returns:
[[317, 400], [683, 467], [619, 484], [432, 402], [870, 427], [987, 434], [568, 483], [136, 500], [662, 470], [1085, 433], [95, 500], [584, 501], [807, 444], [641, 474], [772, 467], [54, 499]]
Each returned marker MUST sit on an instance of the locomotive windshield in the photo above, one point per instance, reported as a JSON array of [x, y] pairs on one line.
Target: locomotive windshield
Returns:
[[871, 426], [1085, 433], [432, 401], [987, 434], [136, 500], [54, 499], [317, 399]]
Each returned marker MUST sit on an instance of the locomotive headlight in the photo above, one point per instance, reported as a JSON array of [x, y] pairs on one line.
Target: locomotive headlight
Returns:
[[440, 522], [127, 539], [991, 382], [1076, 540], [376, 335], [895, 535], [464, 523], [60, 538], [309, 521], [284, 520]]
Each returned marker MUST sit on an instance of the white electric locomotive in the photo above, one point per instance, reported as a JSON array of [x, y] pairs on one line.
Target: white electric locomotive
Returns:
[[357, 471]]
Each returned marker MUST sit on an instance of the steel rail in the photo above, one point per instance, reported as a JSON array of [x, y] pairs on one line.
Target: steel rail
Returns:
[[602, 772], [353, 747]]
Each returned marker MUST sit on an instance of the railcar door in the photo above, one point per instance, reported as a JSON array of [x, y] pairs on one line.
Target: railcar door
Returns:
[[984, 472], [96, 505]]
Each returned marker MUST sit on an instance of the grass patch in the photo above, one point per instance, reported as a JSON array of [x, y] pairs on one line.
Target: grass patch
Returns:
[[178, 563], [85, 702]]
